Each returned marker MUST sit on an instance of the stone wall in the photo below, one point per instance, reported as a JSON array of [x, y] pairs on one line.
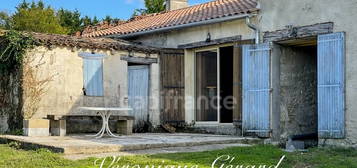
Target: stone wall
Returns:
[[64, 94], [10, 102], [298, 91]]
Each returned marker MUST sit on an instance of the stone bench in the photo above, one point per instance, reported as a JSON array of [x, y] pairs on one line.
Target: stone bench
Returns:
[[58, 124]]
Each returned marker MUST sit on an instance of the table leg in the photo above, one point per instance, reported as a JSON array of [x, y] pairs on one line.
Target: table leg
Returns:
[[107, 128], [105, 125], [102, 130], [104, 120]]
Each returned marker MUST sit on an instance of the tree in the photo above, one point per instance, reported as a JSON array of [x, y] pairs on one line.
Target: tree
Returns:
[[111, 20], [95, 21], [154, 6], [71, 20], [5, 20], [138, 12], [23, 5], [37, 18], [151, 6], [86, 21], [108, 19]]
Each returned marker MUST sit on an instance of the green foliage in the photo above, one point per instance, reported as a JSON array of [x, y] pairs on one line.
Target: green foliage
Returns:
[[13, 46], [95, 21], [23, 5], [154, 6], [37, 18], [11, 157], [86, 21], [5, 20], [70, 20], [138, 12], [256, 155], [15, 145], [15, 132], [109, 19], [151, 6]]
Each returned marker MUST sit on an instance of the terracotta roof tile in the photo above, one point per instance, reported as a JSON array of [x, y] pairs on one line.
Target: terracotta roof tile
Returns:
[[197, 13], [43, 39]]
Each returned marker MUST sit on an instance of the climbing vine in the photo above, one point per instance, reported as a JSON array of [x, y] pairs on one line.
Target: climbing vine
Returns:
[[33, 86], [16, 57], [13, 46]]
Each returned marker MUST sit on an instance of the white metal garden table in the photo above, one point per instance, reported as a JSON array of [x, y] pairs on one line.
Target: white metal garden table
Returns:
[[105, 113]]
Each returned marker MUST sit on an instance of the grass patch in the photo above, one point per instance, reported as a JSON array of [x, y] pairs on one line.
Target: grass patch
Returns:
[[257, 155]]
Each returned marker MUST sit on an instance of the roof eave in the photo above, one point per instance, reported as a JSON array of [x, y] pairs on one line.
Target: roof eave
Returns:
[[165, 29]]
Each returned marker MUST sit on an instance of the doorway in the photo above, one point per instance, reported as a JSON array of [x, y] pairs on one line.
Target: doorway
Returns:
[[214, 85], [226, 84], [298, 91], [138, 93]]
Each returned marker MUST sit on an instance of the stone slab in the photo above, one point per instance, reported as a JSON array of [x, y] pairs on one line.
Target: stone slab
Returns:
[[83, 144]]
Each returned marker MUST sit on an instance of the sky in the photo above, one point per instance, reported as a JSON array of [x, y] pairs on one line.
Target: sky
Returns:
[[116, 8]]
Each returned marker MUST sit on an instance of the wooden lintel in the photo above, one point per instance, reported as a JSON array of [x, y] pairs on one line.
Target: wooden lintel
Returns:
[[172, 51], [139, 60], [210, 43], [298, 32]]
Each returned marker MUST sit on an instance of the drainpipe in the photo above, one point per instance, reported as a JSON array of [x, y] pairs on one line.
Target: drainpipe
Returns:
[[255, 28]]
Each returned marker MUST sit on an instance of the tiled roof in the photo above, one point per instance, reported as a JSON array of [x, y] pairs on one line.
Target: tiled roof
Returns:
[[92, 43], [85, 42], [197, 13]]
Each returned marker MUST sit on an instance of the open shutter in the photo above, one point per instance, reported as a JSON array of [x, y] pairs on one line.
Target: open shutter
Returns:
[[256, 89], [331, 79], [93, 76], [172, 78]]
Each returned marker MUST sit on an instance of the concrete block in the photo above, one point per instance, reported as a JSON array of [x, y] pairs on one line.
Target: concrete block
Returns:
[[125, 127], [36, 127], [58, 127]]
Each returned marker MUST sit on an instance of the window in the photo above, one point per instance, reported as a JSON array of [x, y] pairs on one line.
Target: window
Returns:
[[93, 74]]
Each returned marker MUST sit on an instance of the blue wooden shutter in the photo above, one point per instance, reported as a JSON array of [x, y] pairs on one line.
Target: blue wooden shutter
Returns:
[[93, 76], [331, 79], [256, 89]]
